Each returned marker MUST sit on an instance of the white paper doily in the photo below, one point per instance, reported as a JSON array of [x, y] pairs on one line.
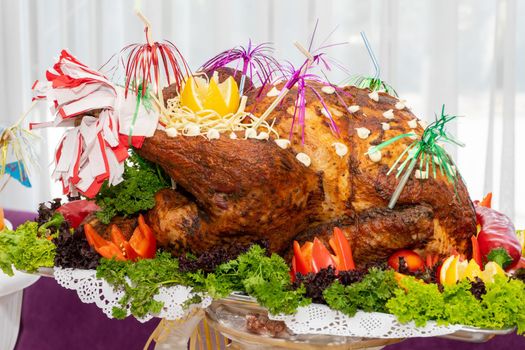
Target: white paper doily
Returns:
[[320, 319], [90, 289]]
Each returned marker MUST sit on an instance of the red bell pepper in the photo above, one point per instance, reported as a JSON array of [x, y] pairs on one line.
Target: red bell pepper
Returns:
[[76, 211], [143, 240], [107, 249], [118, 238], [314, 256], [497, 238], [476, 253], [142, 243], [343, 252], [299, 263], [487, 201], [321, 257]]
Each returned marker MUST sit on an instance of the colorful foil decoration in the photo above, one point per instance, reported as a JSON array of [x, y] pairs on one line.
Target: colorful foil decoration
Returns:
[[145, 62], [373, 83], [104, 124], [18, 143], [427, 150], [304, 78], [257, 62]]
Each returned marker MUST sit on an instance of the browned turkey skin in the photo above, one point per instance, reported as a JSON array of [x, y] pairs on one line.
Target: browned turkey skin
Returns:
[[240, 191]]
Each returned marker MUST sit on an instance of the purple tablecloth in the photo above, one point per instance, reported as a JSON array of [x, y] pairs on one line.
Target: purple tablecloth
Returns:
[[54, 318]]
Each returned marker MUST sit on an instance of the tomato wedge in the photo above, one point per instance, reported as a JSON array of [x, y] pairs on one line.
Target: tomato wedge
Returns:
[[342, 249]]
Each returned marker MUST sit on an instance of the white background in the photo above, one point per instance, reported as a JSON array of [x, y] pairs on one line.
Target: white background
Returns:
[[467, 54]]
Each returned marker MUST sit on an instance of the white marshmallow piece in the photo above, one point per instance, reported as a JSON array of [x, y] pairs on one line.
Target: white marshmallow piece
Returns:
[[374, 95], [250, 133], [389, 114], [233, 136], [304, 158], [374, 156], [385, 126], [192, 130], [328, 90], [362, 133], [263, 135], [353, 108], [283, 143], [340, 149], [273, 92], [412, 124], [213, 134], [400, 104], [172, 132]]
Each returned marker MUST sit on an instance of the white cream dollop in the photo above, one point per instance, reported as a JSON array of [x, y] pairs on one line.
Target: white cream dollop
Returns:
[[340, 149], [328, 90], [374, 95], [304, 158], [283, 143], [250, 133], [353, 108], [192, 130], [385, 126], [213, 134], [172, 132], [374, 156], [412, 124], [273, 92], [389, 114], [363, 133]]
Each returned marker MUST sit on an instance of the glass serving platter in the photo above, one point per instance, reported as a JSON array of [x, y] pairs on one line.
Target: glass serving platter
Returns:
[[229, 316]]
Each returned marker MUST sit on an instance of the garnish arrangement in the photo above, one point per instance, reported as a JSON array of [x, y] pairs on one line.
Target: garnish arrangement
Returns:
[[257, 177]]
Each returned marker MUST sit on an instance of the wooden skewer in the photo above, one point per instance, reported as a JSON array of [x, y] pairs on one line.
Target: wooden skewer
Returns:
[[144, 19]]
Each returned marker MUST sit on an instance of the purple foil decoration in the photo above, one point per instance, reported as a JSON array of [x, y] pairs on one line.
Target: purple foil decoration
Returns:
[[303, 78], [257, 62]]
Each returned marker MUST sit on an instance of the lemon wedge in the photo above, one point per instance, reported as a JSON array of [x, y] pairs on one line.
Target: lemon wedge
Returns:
[[199, 94], [449, 271], [471, 271], [491, 269]]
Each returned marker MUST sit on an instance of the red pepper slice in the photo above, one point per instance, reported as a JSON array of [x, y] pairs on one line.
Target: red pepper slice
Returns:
[[76, 211], [487, 201], [299, 260], [120, 240], [143, 240], [321, 257], [105, 248], [476, 254], [342, 250]]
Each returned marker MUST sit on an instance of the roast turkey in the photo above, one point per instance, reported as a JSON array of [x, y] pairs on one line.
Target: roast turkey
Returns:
[[245, 190]]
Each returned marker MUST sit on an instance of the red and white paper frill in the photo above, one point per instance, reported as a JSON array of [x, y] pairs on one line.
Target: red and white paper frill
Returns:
[[95, 148]]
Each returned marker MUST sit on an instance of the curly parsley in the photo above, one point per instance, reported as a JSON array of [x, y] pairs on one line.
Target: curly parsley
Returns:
[[142, 180], [370, 294]]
